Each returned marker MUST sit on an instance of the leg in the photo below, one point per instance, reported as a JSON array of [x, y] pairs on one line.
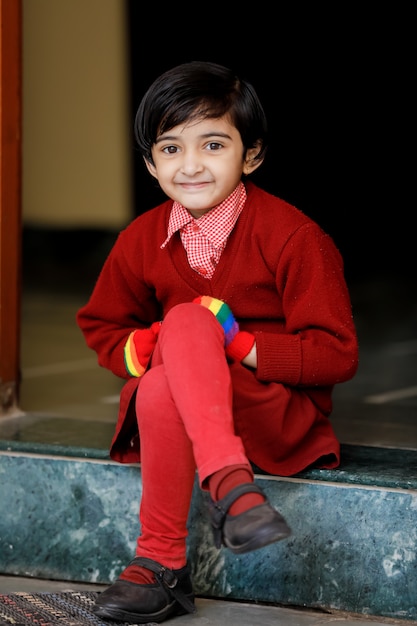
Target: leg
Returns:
[[157, 584], [191, 347], [168, 473]]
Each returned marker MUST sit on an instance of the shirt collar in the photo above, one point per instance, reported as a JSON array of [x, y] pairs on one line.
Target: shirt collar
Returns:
[[217, 224]]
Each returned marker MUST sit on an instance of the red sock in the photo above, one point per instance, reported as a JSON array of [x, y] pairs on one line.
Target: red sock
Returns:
[[223, 481], [138, 574]]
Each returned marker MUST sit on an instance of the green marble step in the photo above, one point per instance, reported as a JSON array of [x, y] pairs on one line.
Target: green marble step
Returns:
[[69, 513]]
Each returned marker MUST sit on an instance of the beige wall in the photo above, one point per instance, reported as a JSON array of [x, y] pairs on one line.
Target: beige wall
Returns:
[[77, 139]]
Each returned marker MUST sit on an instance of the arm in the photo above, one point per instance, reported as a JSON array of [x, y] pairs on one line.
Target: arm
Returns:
[[318, 344], [119, 305]]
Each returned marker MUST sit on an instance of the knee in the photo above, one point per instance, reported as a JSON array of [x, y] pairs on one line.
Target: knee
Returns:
[[189, 313]]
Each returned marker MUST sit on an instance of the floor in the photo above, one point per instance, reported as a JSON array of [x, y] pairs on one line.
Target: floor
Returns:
[[61, 378], [216, 612], [62, 381]]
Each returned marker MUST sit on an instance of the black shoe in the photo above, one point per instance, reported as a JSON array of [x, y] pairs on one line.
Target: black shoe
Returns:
[[255, 528], [170, 595]]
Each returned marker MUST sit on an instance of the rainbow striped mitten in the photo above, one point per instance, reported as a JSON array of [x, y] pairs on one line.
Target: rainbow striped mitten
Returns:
[[139, 347], [238, 343]]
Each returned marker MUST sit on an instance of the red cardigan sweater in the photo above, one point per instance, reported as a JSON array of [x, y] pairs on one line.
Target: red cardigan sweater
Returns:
[[281, 275]]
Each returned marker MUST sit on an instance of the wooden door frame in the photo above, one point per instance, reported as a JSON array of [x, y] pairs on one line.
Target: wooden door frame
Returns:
[[10, 202]]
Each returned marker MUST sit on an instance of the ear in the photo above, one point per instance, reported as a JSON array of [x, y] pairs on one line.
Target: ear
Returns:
[[151, 168], [251, 163]]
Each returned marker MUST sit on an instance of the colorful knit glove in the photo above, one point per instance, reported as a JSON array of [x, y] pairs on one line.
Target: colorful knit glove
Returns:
[[238, 343], [139, 347]]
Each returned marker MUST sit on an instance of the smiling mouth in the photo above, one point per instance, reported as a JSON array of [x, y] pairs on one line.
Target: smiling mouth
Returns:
[[193, 183]]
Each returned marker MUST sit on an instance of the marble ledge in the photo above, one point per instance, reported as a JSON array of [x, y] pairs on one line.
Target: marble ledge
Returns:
[[90, 439], [351, 549]]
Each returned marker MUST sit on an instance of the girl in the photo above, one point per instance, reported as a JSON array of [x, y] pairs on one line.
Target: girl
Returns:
[[227, 312]]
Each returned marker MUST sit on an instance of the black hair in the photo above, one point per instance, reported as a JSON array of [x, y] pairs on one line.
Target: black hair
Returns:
[[200, 90]]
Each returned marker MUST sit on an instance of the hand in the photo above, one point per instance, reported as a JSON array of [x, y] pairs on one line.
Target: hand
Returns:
[[238, 343], [139, 348]]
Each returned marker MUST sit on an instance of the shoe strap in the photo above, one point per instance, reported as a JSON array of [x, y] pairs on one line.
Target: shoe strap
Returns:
[[219, 508], [168, 579]]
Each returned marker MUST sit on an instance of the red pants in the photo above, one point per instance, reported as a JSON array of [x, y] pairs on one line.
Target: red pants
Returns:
[[185, 419]]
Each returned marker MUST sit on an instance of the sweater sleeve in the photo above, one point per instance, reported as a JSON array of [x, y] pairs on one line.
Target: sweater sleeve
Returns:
[[120, 304], [318, 345]]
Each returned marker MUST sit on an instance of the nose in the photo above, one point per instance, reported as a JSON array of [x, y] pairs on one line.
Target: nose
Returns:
[[191, 162]]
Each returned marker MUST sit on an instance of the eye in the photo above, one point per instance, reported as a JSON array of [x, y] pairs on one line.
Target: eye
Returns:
[[214, 145], [170, 149]]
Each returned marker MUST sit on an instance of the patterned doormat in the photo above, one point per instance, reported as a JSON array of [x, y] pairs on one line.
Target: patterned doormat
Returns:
[[71, 608]]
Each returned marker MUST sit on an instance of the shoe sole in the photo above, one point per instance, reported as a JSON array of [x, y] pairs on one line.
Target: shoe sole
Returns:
[[115, 614], [259, 541]]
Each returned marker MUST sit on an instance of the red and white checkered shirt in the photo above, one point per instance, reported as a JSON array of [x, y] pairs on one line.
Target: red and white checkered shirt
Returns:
[[204, 239]]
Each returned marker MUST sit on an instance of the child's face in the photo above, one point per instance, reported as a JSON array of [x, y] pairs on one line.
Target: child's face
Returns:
[[199, 164]]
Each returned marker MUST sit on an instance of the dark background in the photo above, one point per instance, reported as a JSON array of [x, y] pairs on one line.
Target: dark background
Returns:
[[337, 90], [337, 86]]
